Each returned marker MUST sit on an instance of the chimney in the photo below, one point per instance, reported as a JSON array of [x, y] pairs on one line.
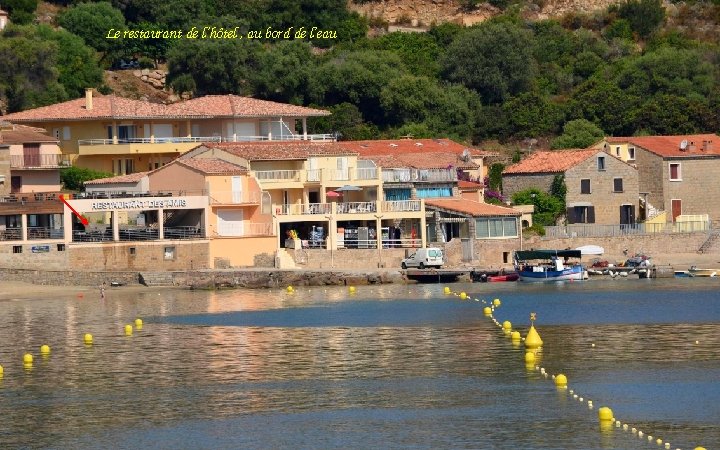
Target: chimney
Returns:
[[88, 98], [707, 146], [691, 147]]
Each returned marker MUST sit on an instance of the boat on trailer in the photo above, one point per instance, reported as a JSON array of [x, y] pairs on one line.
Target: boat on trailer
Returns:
[[549, 265]]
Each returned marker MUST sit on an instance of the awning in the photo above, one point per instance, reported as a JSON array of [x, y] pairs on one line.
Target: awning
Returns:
[[546, 254], [574, 204], [348, 187], [452, 219]]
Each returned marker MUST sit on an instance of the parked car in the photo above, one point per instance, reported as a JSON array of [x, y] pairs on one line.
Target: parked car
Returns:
[[424, 257]]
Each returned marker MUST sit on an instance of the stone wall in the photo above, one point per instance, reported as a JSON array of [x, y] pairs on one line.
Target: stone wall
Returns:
[[513, 183], [67, 277], [54, 259], [699, 189], [651, 175], [188, 255], [355, 258]]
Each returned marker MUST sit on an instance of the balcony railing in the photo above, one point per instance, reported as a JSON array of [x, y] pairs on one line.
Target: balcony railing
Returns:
[[300, 209], [314, 175], [356, 207], [595, 230], [367, 173], [45, 233], [38, 161], [340, 175], [198, 139], [402, 206], [11, 234], [277, 175], [234, 198], [418, 175]]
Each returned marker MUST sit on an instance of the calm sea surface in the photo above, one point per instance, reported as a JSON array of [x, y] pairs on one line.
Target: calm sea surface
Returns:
[[389, 367]]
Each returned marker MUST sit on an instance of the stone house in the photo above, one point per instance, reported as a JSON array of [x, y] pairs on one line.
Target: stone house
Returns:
[[601, 189], [672, 171]]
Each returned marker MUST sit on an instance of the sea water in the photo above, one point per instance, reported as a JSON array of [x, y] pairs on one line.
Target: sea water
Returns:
[[390, 366]]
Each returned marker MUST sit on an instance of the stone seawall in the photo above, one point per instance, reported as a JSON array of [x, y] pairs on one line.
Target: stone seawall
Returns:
[[205, 279]]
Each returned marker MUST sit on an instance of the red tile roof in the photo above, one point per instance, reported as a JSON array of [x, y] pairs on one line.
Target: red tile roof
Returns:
[[670, 145], [237, 106], [262, 151], [400, 146], [212, 166], [19, 134], [421, 160], [550, 161], [471, 208], [131, 178], [469, 185], [114, 107]]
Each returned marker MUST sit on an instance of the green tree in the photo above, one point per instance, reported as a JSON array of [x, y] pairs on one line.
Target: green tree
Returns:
[[532, 114], [495, 59], [283, 71], [558, 189], [618, 29], [345, 120], [547, 207], [495, 176], [418, 51], [579, 133], [644, 16], [20, 12], [92, 21], [73, 178]]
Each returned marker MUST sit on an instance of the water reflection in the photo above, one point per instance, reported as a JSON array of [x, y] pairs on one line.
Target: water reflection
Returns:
[[392, 366]]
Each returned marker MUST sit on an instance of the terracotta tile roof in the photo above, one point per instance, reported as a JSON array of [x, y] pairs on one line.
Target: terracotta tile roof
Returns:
[[263, 151], [469, 185], [112, 106], [237, 106], [400, 146], [131, 178], [670, 145], [550, 161], [19, 134], [420, 160], [212, 166], [471, 208]]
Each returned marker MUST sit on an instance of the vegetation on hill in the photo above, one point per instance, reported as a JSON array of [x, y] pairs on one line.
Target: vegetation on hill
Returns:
[[622, 71]]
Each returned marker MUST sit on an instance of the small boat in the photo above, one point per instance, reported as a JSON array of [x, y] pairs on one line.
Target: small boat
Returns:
[[554, 265], [697, 272], [512, 276]]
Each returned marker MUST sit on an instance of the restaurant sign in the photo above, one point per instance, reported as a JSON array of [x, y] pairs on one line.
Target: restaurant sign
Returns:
[[143, 203], [40, 249]]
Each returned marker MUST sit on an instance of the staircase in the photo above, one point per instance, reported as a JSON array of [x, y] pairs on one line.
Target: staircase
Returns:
[[284, 259], [650, 211], [709, 242]]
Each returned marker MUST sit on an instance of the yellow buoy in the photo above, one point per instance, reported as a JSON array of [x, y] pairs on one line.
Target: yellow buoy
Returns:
[[88, 338], [446, 290], [463, 296], [1, 371], [700, 448], [487, 311], [561, 381], [507, 325], [128, 330], [138, 324], [44, 349], [515, 335], [496, 302], [529, 357], [605, 414], [290, 289], [659, 441], [352, 289], [532, 340], [27, 358]]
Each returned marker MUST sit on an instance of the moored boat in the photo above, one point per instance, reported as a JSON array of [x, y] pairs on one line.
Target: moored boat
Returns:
[[553, 265], [697, 272], [513, 276]]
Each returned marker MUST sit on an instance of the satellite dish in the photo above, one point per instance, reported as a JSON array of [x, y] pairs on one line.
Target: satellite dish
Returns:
[[683, 144], [465, 155]]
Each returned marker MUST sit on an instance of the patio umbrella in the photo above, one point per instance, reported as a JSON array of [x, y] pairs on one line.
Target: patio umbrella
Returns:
[[348, 187], [333, 194]]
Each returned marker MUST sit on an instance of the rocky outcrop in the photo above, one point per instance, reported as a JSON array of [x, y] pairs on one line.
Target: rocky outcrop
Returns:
[[282, 278]]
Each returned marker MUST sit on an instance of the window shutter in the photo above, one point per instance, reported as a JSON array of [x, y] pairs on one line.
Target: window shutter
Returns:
[[618, 184], [585, 186], [631, 219], [571, 218], [590, 214]]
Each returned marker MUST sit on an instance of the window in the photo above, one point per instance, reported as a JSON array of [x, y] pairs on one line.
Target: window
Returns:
[[123, 166], [433, 192], [169, 253], [601, 163], [585, 186], [631, 154], [675, 173], [617, 151], [617, 185], [17, 248], [132, 250], [496, 227], [61, 247], [581, 214], [397, 194]]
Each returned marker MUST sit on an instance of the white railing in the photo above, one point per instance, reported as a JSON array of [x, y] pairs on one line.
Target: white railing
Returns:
[[386, 243], [355, 207], [340, 175], [592, 230], [401, 205], [234, 197], [368, 173], [192, 139], [314, 175], [277, 175], [418, 175], [300, 209], [397, 175]]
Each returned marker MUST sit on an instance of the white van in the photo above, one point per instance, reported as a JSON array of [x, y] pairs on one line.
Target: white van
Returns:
[[424, 257]]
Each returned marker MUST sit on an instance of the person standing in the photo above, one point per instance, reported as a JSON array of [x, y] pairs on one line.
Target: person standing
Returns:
[[102, 291]]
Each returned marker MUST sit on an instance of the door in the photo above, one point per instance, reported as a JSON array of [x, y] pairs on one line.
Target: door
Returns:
[[467, 249], [313, 172], [676, 208], [342, 169], [31, 155], [230, 223], [15, 184], [627, 214], [237, 189]]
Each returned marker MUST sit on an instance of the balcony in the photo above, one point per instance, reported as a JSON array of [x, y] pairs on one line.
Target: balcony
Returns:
[[402, 206], [300, 209], [359, 208], [356, 207], [38, 161], [277, 176], [235, 198], [419, 175]]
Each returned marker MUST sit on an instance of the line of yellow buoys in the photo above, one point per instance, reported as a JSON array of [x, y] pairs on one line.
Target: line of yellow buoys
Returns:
[[533, 345]]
